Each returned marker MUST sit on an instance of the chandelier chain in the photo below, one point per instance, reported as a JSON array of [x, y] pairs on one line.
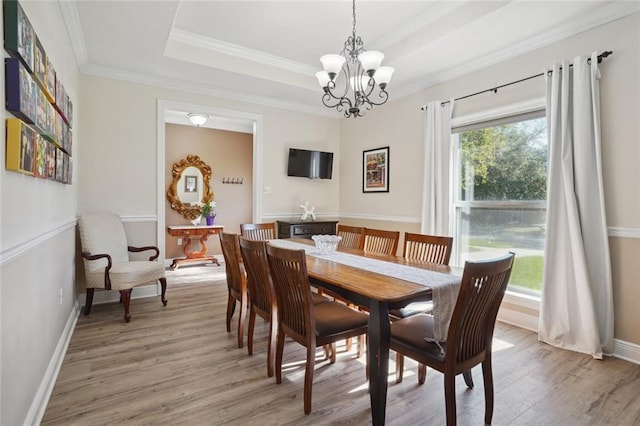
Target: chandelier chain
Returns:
[[354, 19]]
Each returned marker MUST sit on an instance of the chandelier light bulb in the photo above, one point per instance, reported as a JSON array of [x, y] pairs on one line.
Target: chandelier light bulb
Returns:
[[383, 75], [323, 78], [370, 60], [332, 64]]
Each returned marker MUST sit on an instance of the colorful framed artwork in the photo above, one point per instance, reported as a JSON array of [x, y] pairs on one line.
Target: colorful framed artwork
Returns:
[[19, 36], [51, 161], [21, 91], [51, 82], [375, 170], [21, 140], [59, 164], [39, 64], [40, 169]]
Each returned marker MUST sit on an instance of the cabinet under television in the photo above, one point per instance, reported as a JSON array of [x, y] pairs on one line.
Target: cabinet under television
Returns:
[[300, 229]]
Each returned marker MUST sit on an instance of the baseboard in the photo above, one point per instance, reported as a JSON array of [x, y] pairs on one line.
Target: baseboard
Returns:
[[621, 349], [626, 350], [41, 398], [519, 319]]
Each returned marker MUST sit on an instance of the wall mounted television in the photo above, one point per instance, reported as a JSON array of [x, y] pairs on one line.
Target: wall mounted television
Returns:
[[310, 164]]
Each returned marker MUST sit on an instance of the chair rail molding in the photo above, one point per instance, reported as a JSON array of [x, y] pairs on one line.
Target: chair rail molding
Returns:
[[18, 249]]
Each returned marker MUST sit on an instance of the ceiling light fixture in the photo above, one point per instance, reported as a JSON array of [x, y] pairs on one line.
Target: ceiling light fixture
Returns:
[[365, 80], [197, 119]]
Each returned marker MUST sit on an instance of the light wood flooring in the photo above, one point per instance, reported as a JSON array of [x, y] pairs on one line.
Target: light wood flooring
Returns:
[[178, 365]]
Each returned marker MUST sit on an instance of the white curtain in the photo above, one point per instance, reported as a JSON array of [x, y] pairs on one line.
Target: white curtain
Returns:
[[577, 305], [437, 158]]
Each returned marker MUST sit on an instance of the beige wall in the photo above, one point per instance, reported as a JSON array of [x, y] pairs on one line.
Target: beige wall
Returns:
[[399, 124], [230, 155], [37, 246]]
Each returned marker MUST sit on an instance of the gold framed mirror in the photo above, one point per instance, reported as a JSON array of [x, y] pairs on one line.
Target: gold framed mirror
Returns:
[[190, 186]]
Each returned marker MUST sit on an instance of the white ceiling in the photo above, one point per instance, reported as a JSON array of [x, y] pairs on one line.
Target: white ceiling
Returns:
[[267, 51]]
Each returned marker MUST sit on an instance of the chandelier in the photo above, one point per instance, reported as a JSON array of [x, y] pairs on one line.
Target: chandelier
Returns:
[[365, 81]]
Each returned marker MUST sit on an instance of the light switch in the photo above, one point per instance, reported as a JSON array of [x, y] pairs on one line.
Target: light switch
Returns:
[[179, 241]]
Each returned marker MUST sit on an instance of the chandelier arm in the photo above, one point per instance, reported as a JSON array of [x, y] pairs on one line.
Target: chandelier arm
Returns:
[[383, 95]]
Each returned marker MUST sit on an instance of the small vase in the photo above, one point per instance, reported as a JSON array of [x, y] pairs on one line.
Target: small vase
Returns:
[[209, 220]]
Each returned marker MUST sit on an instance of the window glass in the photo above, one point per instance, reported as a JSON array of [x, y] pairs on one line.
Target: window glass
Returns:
[[500, 196]]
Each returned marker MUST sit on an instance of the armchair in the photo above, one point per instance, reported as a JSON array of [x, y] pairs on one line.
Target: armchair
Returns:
[[106, 260]]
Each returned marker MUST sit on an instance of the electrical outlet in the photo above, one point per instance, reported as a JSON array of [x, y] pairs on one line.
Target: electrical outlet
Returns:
[[61, 295], [179, 241], [267, 190]]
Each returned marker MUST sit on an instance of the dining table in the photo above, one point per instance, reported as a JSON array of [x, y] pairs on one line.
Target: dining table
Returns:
[[372, 281]]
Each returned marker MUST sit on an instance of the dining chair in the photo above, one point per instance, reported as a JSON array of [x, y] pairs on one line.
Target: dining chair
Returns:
[[428, 248], [262, 298], [105, 254], [259, 231], [352, 236], [236, 282], [470, 332], [309, 324], [380, 241]]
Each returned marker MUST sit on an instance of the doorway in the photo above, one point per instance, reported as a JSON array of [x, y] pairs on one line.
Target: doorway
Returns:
[[176, 112]]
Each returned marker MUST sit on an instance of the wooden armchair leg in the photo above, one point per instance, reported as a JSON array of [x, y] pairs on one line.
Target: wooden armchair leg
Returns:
[[125, 297], [163, 285], [89, 301]]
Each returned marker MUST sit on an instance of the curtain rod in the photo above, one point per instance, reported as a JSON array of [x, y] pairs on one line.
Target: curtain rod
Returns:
[[601, 56]]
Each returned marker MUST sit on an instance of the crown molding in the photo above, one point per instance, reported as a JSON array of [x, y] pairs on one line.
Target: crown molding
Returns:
[[73, 26], [173, 84], [601, 16], [231, 49]]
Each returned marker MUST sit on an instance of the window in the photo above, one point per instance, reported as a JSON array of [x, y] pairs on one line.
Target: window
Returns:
[[499, 193]]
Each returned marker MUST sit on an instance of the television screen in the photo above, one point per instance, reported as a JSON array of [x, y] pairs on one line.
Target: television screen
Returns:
[[310, 164]]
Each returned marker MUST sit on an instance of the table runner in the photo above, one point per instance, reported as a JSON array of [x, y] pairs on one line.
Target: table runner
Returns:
[[444, 286]]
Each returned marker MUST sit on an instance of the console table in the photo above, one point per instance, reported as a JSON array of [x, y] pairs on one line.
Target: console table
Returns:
[[300, 229], [191, 231]]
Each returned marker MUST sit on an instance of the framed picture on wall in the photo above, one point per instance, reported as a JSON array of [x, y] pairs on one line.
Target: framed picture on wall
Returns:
[[375, 170], [190, 183]]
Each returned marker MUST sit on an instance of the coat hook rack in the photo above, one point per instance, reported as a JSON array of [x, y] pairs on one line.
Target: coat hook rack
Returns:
[[234, 180]]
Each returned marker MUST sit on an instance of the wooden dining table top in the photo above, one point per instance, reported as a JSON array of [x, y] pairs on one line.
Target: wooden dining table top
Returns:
[[371, 284]]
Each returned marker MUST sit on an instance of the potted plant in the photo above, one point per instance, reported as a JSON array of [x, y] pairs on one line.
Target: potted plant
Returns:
[[208, 212]]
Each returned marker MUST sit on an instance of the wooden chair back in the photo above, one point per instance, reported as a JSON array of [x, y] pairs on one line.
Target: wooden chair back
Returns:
[[293, 293], [352, 236], [259, 231], [231, 252], [474, 317], [429, 248], [254, 256], [236, 281], [381, 241]]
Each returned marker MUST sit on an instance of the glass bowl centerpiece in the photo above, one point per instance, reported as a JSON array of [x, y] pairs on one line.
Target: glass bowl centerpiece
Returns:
[[326, 243]]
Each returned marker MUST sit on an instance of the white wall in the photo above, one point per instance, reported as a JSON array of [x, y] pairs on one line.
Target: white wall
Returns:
[[120, 149], [399, 124], [37, 246]]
